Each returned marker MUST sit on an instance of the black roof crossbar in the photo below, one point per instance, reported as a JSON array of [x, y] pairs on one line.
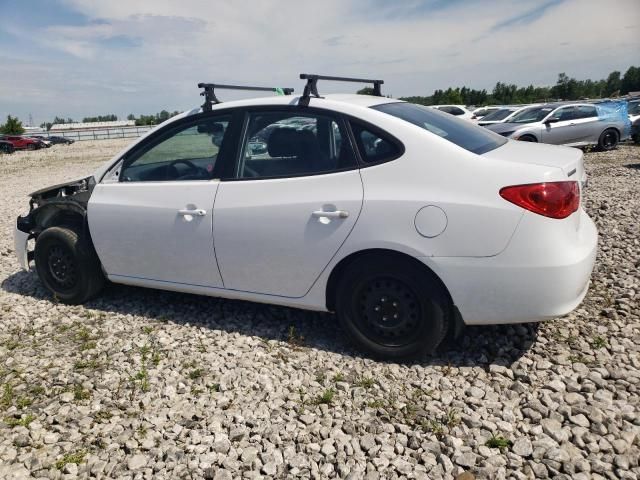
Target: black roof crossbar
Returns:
[[210, 95], [311, 88]]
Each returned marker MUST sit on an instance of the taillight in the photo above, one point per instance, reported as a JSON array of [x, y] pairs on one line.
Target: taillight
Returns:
[[551, 199]]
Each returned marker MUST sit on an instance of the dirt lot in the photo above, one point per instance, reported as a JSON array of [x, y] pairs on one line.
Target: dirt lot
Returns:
[[150, 384]]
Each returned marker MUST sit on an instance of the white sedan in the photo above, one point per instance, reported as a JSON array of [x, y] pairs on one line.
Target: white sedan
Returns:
[[405, 221]]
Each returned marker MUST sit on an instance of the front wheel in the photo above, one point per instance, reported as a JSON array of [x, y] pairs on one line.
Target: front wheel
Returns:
[[392, 308], [528, 138], [68, 265], [608, 140]]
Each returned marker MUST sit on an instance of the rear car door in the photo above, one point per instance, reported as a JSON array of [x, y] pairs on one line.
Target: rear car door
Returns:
[[587, 126], [563, 131], [288, 202], [151, 215]]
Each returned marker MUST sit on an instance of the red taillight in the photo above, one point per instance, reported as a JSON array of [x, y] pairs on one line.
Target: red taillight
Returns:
[[551, 199]]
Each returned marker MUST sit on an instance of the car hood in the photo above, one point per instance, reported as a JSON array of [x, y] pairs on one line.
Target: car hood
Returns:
[[506, 127]]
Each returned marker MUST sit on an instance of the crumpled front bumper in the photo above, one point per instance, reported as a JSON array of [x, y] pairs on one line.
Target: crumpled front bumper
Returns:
[[20, 243]]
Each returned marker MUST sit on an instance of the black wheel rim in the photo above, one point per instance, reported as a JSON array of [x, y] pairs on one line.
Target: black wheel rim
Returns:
[[609, 140], [61, 267], [388, 312]]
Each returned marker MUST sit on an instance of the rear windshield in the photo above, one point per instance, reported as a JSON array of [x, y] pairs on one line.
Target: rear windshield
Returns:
[[461, 132], [498, 114]]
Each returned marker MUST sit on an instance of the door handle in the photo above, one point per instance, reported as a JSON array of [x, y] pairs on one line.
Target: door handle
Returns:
[[198, 212], [334, 214]]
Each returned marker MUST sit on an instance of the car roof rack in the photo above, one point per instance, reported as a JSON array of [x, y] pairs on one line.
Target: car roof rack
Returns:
[[210, 95], [311, 88]]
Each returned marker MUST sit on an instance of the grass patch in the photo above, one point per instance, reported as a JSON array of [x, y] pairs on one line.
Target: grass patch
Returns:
[[23, 422], [294, 338], [75, 457], [326, 397], [598, 342], [366, 382], [338, 377], [498, 441], [80, 393], [195, 374], [6, 400]]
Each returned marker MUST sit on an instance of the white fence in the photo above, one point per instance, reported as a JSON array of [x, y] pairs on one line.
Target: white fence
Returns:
[[100, 133]]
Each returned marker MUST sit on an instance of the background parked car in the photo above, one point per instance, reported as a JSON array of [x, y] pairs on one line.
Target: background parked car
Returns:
[[501, 115], [459, 111], [22, 143], [575, 124], [44, 142], [6, 147], [482, 112], [55, 139]]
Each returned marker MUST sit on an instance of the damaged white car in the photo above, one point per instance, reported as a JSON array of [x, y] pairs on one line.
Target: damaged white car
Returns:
[[405, 221]]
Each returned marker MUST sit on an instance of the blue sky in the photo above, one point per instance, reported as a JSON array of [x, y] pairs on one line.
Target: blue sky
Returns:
[[77, 58]]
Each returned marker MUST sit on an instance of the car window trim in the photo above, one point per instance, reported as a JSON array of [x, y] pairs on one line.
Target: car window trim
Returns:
[[230, 175]]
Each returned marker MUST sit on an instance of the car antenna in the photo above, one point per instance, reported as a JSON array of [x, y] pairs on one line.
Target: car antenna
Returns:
[[210, 98], [311, 88]]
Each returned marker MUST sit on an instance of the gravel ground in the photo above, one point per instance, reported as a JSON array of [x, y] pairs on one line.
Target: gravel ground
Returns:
[[150, 384]]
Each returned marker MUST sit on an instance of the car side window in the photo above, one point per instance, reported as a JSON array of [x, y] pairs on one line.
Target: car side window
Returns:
[[586, 111], [564, 113], [374, 146], [285, 144], [456, 111], [189, 152]]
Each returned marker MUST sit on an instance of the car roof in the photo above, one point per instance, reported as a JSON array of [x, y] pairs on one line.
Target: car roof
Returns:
[[347, 98]]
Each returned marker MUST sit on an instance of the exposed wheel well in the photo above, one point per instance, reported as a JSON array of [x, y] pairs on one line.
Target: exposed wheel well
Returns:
[[374, 253]]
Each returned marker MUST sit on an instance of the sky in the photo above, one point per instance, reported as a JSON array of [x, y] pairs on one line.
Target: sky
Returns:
[[77, 58]]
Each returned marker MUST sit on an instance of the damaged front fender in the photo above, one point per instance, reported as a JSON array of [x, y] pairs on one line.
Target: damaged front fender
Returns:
[[63, 204]]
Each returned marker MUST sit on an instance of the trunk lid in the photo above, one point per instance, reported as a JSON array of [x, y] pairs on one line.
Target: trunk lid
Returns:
[[568, 159]]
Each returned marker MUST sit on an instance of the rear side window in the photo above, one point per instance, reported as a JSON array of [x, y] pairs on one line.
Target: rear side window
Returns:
[[374, 146], [461, 132], [586, 111]]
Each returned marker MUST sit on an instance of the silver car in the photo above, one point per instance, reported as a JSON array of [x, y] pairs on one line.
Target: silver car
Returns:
[[576, 124]]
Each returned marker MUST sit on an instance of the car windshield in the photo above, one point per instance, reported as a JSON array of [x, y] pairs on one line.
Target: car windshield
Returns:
[[498, 114], [531, 115], [634, 108], [461, 132]]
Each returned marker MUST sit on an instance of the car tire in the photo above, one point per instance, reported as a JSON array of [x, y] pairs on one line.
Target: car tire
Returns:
[[636, 138], [68, 265], [608, 140], [31, 146], [392, 308], [528, 138]]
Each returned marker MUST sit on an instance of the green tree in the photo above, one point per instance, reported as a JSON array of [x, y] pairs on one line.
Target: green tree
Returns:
[[614, 84], [631, 81], [12, 126], [365, 91]]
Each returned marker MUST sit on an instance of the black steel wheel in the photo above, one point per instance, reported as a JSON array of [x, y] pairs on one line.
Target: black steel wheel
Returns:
[[392, 307], [68, 265], [608, 139]]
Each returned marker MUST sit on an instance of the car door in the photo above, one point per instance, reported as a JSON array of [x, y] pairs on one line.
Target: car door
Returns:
[[151, 215], [587, 126], [562, 131], [283, 211]]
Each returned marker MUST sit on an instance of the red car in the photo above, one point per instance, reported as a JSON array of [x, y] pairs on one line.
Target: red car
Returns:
[[22, 143]]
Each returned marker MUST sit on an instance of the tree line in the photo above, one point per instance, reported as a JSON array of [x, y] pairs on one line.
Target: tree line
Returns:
[[140, 120], [566, 88]]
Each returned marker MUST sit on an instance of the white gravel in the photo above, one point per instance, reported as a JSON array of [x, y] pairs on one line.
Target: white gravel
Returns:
[[150, 384]]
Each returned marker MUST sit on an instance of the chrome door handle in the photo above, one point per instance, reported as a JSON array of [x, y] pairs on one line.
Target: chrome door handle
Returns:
[[334, 214], [195, 213]]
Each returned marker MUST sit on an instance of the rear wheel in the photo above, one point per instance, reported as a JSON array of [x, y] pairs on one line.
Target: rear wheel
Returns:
[[528, 138], [68, 265], [608, 140], [392, 308]]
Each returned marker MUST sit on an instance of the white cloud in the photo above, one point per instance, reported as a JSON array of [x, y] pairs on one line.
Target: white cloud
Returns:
[[270, 42]]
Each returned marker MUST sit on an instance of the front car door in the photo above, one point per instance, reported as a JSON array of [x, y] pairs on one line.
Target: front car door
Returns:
[[289, 202], [150, 217], [563, 130]]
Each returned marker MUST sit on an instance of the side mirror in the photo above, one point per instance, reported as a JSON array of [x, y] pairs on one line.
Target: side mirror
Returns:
[[552, 120]]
